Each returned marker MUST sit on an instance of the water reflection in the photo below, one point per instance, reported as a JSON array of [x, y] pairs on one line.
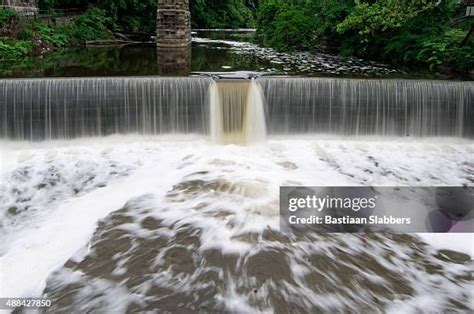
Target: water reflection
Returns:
[[174, 61], [205, 55], [134, 60]]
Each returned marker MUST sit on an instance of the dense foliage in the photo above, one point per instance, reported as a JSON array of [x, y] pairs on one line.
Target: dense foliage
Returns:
[[223, 14], [18, 39], [417, 33], [140, 15], [297, 24], [99, 18], [405, 32], [130, 15], [7, 18]]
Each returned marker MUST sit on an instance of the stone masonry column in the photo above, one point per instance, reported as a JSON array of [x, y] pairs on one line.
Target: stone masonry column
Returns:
[[173, 37], [173, 24]]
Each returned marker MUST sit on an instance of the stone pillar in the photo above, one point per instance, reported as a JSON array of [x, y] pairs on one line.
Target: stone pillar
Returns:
[[173, 37], [173, 24]]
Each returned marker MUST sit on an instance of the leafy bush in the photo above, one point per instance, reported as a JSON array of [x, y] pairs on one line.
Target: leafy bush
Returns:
[[13, 50], [140, 15], [10, 48], [290, 31], [415, 33], [57, 36], [407, 32], [296, 25], [445, 49], [222, 14], [7, 17], [383, 15], [326, 15], [130, 15], [371, 27], [91, 26], [36, 37]]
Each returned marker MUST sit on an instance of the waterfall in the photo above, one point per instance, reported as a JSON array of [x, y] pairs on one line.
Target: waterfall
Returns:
[[369, 107], [256, 123], [39, 109], [232, 111], [237, 112]]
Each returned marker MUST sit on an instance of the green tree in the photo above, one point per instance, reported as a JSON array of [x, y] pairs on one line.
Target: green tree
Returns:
[[415, 33], [382, 15], [140, 15], [301, 24], [406, 32], [222, 14], [287, 27]]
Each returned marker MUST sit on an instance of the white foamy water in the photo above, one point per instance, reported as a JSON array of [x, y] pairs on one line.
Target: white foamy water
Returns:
[[53, 195]]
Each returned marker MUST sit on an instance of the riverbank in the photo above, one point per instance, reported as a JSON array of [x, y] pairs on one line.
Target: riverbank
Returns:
[[314, 52], [409, 34], [234, 54], [21, 37]]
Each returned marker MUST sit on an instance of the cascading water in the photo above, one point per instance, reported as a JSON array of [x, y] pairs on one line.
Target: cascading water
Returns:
[[39, 109], [125, 225], [237, 112], [233, 111], [369, 107]]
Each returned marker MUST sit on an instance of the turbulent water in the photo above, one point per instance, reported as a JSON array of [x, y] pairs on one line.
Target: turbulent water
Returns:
[[42, 109], [186, 225]]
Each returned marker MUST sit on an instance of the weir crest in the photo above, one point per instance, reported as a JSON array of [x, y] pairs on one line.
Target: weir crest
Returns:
[[233, 111]]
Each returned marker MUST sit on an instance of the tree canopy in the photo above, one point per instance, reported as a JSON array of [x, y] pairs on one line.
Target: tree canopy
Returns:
[[140, 15], [412, 33], [404, 32]]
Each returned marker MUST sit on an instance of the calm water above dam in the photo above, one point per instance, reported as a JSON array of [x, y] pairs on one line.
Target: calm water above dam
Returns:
[[209, 53]]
